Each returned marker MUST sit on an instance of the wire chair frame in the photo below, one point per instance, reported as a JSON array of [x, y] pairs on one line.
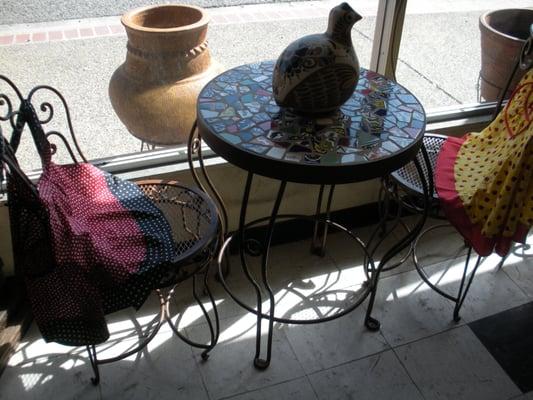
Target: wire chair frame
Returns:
[[406, 181], [196, 238]]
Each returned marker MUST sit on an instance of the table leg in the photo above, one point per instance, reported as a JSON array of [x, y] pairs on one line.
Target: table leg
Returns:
[[194, 146], [244, 265], [318, 244], [262, 363], [380, 231], [387, 192], [370, 322]]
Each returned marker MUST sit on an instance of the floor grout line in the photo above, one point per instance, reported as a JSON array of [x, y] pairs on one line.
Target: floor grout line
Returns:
[[204, 383], [351, 361], [449, 329], [407, 372], [259, 388], [515, 283], [308, 379]]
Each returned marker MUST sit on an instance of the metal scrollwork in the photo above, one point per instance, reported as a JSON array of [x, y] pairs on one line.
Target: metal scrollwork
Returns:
[[9, 113], [195, 145], [526, 55], [12, 85], [253, 247], [53, 146], [5, 103], [47, 107], [18, 116]]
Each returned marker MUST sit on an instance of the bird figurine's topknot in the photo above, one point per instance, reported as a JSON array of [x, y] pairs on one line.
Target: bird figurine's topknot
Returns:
[[317, 73]]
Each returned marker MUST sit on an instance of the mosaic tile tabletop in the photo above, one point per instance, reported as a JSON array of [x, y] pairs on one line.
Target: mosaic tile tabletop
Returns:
[[381, 119]]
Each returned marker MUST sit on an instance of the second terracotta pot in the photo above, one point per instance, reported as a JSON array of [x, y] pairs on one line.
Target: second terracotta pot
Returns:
[[154, 91], [503, 33]]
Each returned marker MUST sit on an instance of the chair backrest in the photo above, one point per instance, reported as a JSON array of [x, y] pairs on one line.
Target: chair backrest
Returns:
[[524, 62], [29, 219]]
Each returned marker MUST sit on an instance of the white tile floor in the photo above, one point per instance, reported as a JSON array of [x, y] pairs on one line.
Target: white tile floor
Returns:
[[418, 354]]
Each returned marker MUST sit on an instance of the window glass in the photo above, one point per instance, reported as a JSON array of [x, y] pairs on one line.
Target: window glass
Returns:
[[76, 48], [440, 57]]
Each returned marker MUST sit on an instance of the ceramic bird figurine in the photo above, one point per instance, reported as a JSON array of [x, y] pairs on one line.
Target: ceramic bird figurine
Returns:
[[317, 73]]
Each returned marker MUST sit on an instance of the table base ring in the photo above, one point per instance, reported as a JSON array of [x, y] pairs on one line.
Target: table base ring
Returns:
[[367, 288]]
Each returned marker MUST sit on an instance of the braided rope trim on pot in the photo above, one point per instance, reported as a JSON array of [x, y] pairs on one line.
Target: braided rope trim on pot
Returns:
[[194, 52]]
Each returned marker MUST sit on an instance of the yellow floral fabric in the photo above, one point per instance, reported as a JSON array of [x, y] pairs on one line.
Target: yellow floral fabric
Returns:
[[494, 168]]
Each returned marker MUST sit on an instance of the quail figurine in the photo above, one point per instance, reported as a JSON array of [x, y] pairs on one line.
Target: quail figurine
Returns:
[[317, 73]]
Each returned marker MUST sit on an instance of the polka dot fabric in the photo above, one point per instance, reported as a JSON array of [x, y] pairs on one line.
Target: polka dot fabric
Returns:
[[485, 180], [111, 246]]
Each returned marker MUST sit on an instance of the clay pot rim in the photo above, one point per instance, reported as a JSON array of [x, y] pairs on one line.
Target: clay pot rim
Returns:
[[127, 19], [483, 22]]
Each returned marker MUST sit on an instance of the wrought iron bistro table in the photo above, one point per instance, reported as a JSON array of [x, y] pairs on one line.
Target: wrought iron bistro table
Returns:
[[378, 130]]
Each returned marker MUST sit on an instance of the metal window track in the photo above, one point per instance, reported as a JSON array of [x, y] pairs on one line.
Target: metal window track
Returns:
[[454, 120]]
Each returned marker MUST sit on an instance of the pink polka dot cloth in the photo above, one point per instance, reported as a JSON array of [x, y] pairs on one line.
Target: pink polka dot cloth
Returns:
[[111, 247]]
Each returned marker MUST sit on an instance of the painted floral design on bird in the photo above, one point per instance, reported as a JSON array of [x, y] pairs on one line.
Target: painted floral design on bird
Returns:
[[317, 73]]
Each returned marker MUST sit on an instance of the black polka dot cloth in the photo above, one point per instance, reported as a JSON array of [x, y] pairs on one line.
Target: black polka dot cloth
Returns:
[[111, 246]]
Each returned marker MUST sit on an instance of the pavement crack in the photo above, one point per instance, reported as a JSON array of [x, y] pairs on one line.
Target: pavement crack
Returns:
[[417, 72], [362, 34], [431, 82]]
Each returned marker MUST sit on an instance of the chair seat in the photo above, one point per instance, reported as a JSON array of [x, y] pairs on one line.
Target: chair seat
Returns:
[[193, 219], [408, 177]]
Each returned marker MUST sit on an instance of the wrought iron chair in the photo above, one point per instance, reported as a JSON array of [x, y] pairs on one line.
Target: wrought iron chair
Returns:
[[409, 193], [190, 213]]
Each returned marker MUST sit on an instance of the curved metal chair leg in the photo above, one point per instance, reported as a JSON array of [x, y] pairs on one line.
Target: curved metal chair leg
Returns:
[[213, 331], [462, 293], [502, 261], [213, 334], [420, 268], [216, 335], [225, 270], [227, 264], [94, 364]]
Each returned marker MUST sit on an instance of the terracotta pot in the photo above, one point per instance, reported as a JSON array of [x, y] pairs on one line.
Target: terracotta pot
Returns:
[[503, 33], [167, 63]]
